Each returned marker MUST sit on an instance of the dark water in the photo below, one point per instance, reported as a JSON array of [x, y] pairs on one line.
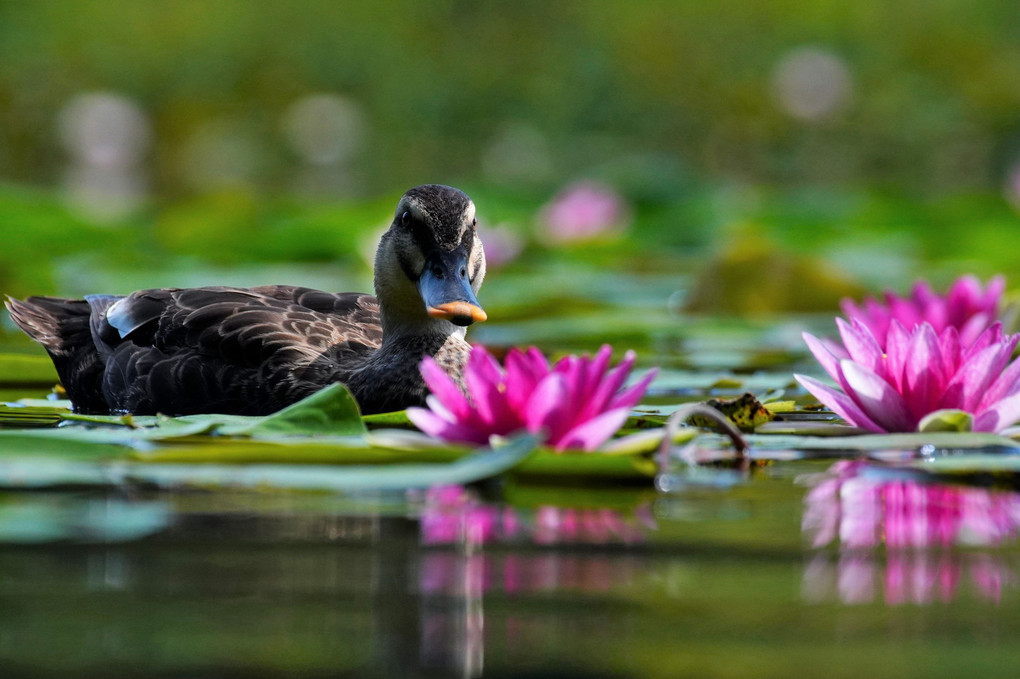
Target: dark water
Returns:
[[519, 580]]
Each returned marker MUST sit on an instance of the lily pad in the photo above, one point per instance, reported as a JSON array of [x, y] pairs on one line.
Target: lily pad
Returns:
[[50, 472], [947, 420]]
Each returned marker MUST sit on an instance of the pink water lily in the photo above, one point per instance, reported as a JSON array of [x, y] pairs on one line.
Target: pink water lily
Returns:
[[967, 306], [578, 403], [919, 372], [583, 211]]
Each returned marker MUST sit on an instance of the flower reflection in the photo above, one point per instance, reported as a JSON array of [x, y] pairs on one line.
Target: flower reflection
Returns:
[[452, 515], [454, 582], [860, 508]]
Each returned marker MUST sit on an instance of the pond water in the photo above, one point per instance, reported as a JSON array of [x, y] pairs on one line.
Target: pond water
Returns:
[[804, 566], [775, 574]]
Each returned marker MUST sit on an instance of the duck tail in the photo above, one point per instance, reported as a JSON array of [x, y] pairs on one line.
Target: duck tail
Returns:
[[57, 324], [63, 328]]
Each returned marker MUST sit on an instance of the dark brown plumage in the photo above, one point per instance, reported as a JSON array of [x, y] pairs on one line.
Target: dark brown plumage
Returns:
[[256, 350]]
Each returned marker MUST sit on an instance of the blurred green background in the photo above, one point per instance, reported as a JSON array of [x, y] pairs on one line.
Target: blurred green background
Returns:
[[760, 155]]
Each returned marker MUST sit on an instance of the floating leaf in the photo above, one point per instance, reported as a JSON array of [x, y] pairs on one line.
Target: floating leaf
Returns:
[[395, 419], [331, 411], [583, 464], [780, 407], [946, 420], [14, 415], [49, 472], [873, 442]]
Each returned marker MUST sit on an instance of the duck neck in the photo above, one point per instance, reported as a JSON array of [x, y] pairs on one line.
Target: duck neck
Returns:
[[390, 378]]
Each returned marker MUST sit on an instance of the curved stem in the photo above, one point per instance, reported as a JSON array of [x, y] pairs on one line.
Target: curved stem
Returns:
[[708, 412]]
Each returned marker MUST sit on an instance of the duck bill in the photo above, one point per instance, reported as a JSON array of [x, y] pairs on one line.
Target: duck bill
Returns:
[[446, 290]]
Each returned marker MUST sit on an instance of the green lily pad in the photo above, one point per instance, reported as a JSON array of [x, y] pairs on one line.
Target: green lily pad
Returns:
[[947, 420], [49, 472], [397, 419]]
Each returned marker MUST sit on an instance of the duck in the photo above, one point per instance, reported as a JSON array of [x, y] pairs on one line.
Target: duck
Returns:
[[253, 351]]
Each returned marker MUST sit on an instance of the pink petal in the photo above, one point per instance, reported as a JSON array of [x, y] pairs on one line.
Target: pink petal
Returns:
[[989, 336], [897, 348], [484, 382], [877, 398], [632, 395], [839, 403], [538, 360], [972, 328], [595, 369], [444, 388], [607, 388], [484, 365], [522, 376], [952, 351], [1007, 384], [1003, 414], [974, 378], [923, 378], [850, 308], [861, 345], [437, 407], [823, 354], [993, 294], [904, 312], [963, 299], [834, 347], [435, 426], [546, 405], [593, 433]]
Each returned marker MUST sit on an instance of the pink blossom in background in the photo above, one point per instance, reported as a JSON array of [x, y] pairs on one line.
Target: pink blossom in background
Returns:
[[583, 211], [578, 403], [502, 245], [967, 306], [919, 371]]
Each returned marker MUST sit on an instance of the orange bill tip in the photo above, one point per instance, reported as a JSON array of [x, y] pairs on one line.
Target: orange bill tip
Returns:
[[452, 311]]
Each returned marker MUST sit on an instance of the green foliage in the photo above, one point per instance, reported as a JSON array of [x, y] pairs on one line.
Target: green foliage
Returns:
[[597, 80], [23, 370]]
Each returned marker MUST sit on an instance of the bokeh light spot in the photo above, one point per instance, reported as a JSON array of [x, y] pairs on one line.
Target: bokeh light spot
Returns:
[[812, 84], [103, 129], [324, 129]]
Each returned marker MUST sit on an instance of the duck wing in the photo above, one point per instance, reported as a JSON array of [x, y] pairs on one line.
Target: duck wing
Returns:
[[200, 350], [231, 350]]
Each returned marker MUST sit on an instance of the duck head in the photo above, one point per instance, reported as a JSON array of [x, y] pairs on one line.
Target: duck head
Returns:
[[430, 263]]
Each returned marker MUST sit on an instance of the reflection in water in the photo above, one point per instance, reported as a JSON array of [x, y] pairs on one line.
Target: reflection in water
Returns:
[[921, 525], [452, 583], [454, 516]]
